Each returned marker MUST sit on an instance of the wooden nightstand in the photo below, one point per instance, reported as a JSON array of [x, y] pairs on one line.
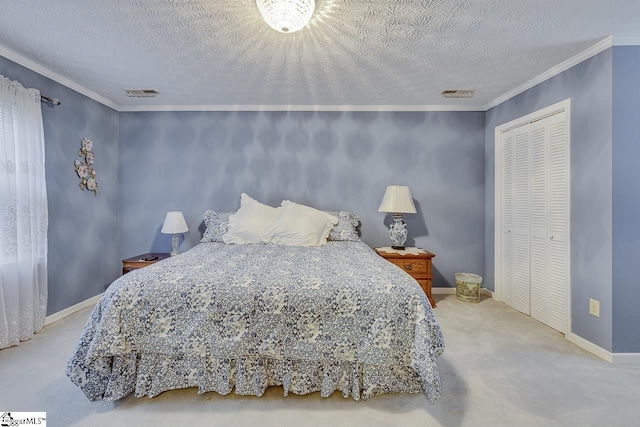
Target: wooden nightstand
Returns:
[[138, 261], [418, 265]]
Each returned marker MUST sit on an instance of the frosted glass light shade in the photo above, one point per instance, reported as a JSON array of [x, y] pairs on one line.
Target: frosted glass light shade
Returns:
[[174, 223], [397, 199], [286, 16]]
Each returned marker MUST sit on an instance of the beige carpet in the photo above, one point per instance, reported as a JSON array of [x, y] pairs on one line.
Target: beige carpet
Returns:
[[500, 368]]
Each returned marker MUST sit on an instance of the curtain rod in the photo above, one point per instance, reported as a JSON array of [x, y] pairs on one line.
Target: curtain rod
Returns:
[[50, 101]]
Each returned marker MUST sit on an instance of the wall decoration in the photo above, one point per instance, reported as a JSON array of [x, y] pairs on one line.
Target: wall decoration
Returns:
[[85, 170]]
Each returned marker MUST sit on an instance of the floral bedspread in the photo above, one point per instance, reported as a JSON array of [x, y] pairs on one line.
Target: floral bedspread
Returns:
[[245, 317]]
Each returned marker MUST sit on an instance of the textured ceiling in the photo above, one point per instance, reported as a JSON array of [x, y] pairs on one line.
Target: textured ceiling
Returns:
[[359, 53]]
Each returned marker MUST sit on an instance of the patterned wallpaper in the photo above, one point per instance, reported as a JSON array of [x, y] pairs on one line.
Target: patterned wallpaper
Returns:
[[150, 163], [194, 161]]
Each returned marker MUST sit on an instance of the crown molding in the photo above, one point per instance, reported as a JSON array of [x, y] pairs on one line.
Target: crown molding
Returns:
[[34, 66], [571, 62], [563, 66], [345, 108], [626, 41]]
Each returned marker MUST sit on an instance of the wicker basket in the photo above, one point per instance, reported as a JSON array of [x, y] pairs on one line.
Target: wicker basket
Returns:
[[468, 287]]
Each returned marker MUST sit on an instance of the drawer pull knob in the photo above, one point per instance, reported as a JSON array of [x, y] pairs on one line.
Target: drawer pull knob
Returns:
[[408, 267]]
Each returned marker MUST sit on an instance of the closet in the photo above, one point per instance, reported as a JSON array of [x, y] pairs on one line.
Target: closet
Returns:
[[532, 215]]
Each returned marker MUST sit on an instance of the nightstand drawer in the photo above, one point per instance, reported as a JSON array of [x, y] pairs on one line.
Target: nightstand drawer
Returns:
[[416, 262], [412, 266]]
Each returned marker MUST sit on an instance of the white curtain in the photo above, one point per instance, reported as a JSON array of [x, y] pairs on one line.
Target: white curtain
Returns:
[[23, 214]]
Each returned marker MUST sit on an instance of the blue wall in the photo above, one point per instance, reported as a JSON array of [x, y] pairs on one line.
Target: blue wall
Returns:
[[588, 84], [149, 163], [83, 229], [626, 198], [194, 161]]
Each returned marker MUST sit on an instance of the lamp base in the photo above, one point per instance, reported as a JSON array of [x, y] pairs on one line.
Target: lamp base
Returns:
[[174, 245], [398, 248], [398, 232]]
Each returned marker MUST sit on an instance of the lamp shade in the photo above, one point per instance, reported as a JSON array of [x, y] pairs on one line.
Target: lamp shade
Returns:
[[174, 223], [397, 199]]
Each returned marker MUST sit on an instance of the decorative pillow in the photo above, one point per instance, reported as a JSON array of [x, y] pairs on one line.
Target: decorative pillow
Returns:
[[300, 225], [217, 224], [347, 227], [247, 225]]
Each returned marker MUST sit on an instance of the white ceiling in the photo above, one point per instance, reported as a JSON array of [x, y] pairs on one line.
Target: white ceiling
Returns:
[[358, 54]]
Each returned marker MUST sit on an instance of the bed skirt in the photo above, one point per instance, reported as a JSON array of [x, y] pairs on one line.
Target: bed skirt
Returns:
[[150, 375]]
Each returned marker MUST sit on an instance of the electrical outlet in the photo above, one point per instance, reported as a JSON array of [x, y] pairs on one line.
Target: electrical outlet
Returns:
[[594, 307]]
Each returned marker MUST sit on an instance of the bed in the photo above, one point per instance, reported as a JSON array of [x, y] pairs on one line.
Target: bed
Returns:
[[244, 317]]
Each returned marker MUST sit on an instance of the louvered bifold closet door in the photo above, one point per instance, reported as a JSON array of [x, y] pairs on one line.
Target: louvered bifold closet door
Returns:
[[549, 221], [508, 181], [558, 255], [535, 227], [521, 220], [539, 221]]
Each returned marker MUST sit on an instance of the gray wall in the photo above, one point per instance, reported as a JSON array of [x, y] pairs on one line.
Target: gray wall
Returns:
[[588, 84], [626, 198], [83, 229], [194, 161]]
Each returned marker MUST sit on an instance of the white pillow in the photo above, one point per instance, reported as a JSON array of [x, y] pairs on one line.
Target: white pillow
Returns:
[[247, 225], [300, 225]]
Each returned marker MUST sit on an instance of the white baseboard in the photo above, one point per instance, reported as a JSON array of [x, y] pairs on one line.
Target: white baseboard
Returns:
[[70, 310], [590, 347], [616, 358]]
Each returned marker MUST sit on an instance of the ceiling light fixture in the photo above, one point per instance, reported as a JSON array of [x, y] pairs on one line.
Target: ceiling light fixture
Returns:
[[286, 16]]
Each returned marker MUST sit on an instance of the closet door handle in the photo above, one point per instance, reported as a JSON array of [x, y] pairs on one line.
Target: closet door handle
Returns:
[[551, 237]]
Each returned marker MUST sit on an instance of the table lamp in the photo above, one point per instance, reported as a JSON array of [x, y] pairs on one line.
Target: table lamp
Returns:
[[174, 223], [397, 200]]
